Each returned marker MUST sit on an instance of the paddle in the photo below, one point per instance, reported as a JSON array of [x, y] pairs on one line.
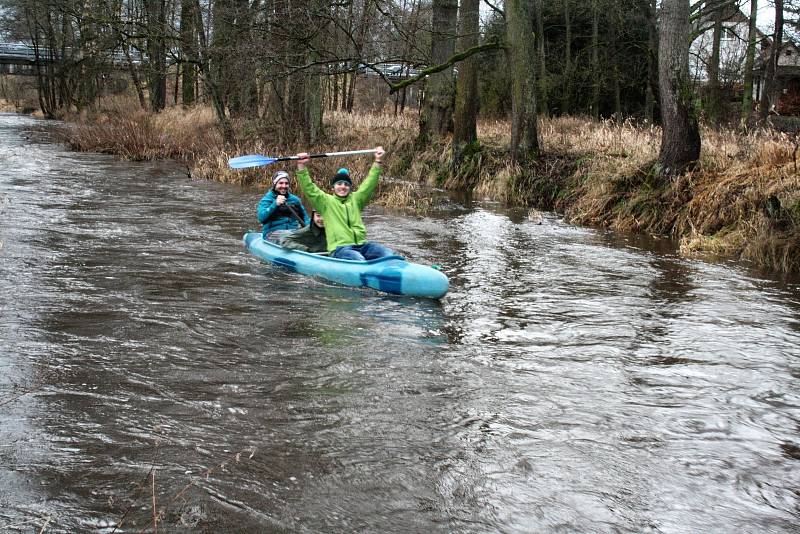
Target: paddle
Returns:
[[256, 160], [296, 215]]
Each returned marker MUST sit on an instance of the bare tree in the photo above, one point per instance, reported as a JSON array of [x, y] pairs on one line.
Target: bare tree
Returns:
[[749, 62], [466, 111], [680, 141], [566, 102], [595, 108], [437, 109], [713, 96], [541, 56], [522, 60], [652, 67], [768, 98], [188, 42], [156, 24]]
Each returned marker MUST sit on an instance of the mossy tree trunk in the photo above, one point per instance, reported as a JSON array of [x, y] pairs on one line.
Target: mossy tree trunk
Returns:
[[652, 68], [680, 140], [218, 71], [769, 97], [408, 47], [241, 65], [436, 117], [360, 41], [566, 102], [207, 57], [465, 131], [156, 11], [595, 105], [315, 24], [188, 35], [544, 88], [522, 61], [713, 98], [749, 62]]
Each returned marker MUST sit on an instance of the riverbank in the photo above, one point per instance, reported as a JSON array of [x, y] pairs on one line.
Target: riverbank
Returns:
[[742, 201]]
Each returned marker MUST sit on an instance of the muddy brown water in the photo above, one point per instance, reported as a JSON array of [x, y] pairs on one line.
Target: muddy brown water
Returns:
[[573, 380]]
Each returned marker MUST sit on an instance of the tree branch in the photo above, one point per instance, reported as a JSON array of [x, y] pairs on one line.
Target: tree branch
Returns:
[[461, 56], [494, 8]]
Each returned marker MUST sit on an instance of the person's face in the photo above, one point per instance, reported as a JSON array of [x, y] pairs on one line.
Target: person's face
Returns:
[[282, 187], [341, 189], [318, 220]]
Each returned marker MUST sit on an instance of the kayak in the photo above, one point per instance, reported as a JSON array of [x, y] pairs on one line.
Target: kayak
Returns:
[[391, 274]]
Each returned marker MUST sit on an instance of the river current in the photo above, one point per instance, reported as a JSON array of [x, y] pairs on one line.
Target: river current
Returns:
[[572, 380]]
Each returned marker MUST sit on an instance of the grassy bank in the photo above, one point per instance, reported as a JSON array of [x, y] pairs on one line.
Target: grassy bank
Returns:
[[742, 201]]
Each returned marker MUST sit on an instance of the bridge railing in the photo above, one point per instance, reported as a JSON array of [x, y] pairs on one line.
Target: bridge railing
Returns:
[[26, 53]]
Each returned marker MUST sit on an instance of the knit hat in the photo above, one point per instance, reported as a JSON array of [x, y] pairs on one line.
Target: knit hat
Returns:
[[342, 175], [279, 175]]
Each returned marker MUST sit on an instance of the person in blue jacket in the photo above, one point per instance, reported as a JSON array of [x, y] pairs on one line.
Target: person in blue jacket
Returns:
[[279, 210]]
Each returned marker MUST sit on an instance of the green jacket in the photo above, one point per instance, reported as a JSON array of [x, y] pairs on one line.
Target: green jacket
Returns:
[[343, 225], [309, 238]]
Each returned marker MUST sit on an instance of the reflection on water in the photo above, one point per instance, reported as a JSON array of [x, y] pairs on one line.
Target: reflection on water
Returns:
[[572, 380]]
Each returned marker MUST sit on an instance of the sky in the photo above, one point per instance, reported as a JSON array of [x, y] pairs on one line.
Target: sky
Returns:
[[766, 18], [766, 14]]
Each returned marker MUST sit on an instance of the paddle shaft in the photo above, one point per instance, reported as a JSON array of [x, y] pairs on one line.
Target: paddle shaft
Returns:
[[257, 160], [329, 154], [297, 216]]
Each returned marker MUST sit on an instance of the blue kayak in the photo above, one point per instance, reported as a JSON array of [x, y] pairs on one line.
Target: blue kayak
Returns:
[[392, 274]]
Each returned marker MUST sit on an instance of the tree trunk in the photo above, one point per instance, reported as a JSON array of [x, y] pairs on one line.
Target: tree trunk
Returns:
[[617, 92], [437, 109], [652, 54], [749, 62], [680, 140], [157, 52], [466, 111], [360, 41], [566, 103], [188, 51], [595, 111], [713, 99], [334, 95], [313, 76], [209, 81], [243, 89], [768, 97], [522, 59], [544, 108], [217, 72], [414, 22]]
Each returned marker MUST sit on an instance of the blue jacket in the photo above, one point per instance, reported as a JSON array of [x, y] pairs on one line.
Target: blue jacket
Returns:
[[274, 217]]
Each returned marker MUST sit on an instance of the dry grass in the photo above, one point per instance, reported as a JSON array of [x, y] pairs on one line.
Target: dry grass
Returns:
[[7, 106], [121, 127], [718, 209]]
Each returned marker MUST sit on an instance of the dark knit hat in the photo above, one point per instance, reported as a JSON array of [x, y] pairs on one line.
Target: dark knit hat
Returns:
[[342, 175]]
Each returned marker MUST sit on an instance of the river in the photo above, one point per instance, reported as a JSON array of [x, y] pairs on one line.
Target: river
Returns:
[[572, 380]]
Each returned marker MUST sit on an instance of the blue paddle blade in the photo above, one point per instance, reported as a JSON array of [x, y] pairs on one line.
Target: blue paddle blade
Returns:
[[244, 162]]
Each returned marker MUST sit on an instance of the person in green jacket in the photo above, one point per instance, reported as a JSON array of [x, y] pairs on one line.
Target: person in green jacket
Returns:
[[309, 238], [344, 229]]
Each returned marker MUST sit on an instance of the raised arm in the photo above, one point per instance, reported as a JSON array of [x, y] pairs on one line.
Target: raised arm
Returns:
[[370, 183], [313, 193]]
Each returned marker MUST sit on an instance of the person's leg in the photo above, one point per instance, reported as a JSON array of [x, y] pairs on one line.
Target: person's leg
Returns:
[[373, 251], [347, 252]]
